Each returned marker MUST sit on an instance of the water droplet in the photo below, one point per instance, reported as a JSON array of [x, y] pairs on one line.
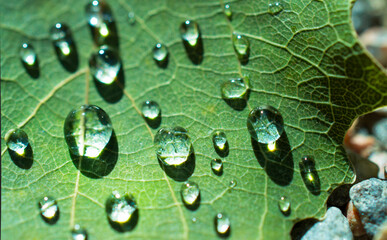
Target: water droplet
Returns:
[[227, 11], [222, 224], [78, 233], [160, 55], [217, 166], [87, 130], [49, 210], [29, 60], [220, 142], [241, 47], [17, 141], [275, 8], [236, 88], [233, 183], [194, 219], [173, 146], [105, 65], [131, 18], [265, 124], [122, 211], [151, 111], [309, 174], [284, 205], [189, 31], [190, 194]]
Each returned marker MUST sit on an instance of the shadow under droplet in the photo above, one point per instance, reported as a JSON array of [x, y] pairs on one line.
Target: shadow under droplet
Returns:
[[278, 164], [180, 173], [126, 226], [195, 53], [111, 39], [113, 92], [300, 228], [22, 161], [70, 61], [244, 59], [195, 205], [164, 63], [32, 70], [154, 123], [238, 104], [99, 166], [53, 220], [223, 152]]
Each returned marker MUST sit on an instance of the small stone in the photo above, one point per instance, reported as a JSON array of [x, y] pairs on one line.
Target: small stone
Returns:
[[369, 198], [334, 226], [354, 221]]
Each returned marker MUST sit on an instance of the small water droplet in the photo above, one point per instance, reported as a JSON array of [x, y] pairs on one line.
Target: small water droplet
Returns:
[[241, 47], [227, 11], [233, 183], [29, 60], [17, 141], [49, 210], [275, 8], [217, 166], [220, 142], [160, 55], [194, 219], [131, 18], [222, 224], [284, 205], [189, 31], [122, 211], [190, 194], [78, 233], [265, 124], [87, 131], [173, 146], [105, 65], [151, 112], [236, 88], [309, 174]]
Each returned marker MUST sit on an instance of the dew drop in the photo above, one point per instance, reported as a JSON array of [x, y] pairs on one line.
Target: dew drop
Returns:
[[265, 124], [173, 146], [87, 131], [17, 141], [190, 193], [189, 31], [217, 166], [235, 89], [309, 174], [241, 47], [122, 211], [275, 8], [28, 54], [150, 110], [227, 11], [160, 55], [105, 65], [49, 210], [194, 220], [222, 224], [131, 18], [220, 142], [78, 233], [284, 205], [233, 183], [61, 36]]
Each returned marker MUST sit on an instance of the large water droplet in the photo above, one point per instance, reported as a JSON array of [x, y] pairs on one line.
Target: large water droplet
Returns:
[[49, 210], [29, 60], [190, 194], [105, 65], [227, 11], [265, 124], [190, 34], [241, 47], [64, 46], [173, 146], [160, 55], [87, 131], [152, 113], [122, 211], [217, 166], [284, 205], [78, 233], [222, 225], [309, 174], [19, 148], [220, 142], [275, 8]]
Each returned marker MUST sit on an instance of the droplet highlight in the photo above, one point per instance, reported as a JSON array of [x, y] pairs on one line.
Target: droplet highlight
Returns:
[[49, 210], [220, 142], [284, 205], [122, 211], [222, 225], [78, 233], [309, 174], [105, 65], [217, 166], [265, 124], [160, 55], [87, 131], [190, 194], [151, 112], [227, 11], [29, 60], [19, 148], [241, 47], [275, 8]]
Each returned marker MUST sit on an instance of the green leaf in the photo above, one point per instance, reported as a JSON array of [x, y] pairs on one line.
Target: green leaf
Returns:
[[305, 61]]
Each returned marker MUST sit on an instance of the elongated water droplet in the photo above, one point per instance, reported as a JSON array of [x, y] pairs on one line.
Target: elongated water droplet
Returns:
[[236, 88], [284, 205], [160, 55], [131, 18], [105, 65], [87, 131], [309, 174], [122, 211], [151, 111], [64, 46], [173, 146], [78, 233], [265, 124], [190, 194], [217, 166], [241, 47], [227, 11], [275, 8], [49, 210], [189, 31], [222, 224], [29, 60], [17, 141], [220, 142]]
